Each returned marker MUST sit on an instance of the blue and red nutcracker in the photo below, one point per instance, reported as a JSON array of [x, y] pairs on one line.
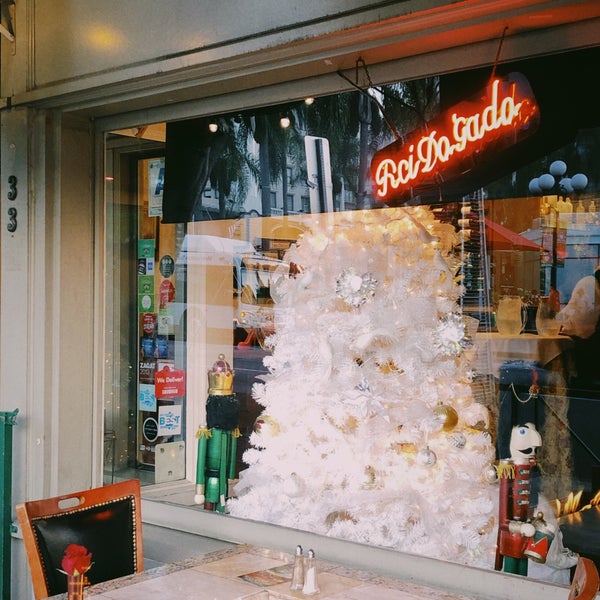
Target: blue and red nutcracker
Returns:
[[515, 528]]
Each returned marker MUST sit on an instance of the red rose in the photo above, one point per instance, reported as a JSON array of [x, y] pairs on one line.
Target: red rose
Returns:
[[77, 560]]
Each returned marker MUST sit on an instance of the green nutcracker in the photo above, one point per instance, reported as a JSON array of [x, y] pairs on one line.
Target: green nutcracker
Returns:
[[217, 440]]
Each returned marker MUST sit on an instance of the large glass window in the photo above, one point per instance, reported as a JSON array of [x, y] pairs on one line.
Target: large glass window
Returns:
[[303, 351]]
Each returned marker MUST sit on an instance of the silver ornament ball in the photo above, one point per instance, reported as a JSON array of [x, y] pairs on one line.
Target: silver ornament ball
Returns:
[[426, 457]]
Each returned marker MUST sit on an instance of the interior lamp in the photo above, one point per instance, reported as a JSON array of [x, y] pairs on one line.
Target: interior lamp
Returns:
[[579, 182], [546, 182], [558, 168]]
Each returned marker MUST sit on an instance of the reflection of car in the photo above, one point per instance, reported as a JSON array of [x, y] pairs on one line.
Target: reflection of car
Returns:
[[253, 276]]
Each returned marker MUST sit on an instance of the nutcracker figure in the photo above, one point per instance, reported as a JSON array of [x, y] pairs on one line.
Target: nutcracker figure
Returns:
[[515, 527], [217, 439]]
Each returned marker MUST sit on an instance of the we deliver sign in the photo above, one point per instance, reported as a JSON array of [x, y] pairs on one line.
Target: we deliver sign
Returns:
[[169, 383]]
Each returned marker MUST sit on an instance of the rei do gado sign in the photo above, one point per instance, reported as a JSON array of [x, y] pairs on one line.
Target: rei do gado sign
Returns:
[[455, 142]]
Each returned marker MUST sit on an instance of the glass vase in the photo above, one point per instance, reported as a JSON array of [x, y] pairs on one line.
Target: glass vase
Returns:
[[75, 586], [545, 320], [509, 316]]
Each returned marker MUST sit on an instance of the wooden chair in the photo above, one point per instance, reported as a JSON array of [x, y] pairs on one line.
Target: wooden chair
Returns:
[[106, 520], [585, 580]]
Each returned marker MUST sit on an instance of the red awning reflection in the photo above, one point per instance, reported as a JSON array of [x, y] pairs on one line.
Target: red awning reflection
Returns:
[[499, 237]]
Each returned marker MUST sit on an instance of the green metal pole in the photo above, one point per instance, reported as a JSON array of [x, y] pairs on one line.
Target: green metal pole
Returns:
[[7, 420]]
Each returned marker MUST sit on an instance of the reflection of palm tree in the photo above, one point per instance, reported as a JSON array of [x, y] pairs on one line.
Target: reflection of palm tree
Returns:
[[276, 145], [194, 156], [261, 135], [408, 105], [232, 166], [348, 121], [365, 115], [356, 131], [336, 118]]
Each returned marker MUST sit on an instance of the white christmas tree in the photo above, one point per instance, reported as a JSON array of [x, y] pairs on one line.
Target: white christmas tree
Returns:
[[370, 431]]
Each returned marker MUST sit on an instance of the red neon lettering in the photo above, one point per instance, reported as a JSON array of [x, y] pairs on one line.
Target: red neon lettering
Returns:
[[392, 175], [466, 133], [426, 150]]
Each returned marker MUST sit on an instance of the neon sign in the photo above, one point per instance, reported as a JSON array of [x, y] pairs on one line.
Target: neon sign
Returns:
[[457, 141]]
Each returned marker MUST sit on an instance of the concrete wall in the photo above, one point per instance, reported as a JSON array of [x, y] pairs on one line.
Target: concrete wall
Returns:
[[113, 57], [47, 319]]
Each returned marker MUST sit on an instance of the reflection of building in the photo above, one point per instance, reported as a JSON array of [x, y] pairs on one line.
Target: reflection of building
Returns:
[[504, 261], [578, 249], [556, 213]]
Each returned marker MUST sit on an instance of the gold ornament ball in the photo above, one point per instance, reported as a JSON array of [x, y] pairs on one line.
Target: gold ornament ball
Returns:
[[446, 416], [266, 424]]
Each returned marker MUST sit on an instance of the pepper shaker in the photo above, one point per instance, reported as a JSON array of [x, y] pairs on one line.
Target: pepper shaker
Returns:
[[311, 585], [298, 570]]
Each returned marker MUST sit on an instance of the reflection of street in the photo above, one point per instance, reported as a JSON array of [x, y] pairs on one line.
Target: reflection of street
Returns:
[[248, 364]]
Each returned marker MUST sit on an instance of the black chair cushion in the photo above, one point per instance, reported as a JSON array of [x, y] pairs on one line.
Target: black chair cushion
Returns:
[[107, 531]]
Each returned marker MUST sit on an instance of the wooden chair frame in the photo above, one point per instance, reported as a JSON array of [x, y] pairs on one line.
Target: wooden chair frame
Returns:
[[586, 581], [83, 518]]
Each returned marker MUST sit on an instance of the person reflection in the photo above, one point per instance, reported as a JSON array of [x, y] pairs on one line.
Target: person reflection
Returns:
[[580, 320]]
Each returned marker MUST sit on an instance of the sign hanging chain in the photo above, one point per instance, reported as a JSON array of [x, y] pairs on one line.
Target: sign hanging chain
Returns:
[[360, 62], [498, 51]]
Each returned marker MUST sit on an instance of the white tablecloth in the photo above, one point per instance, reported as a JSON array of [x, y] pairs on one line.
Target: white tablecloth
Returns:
[[494, 349]]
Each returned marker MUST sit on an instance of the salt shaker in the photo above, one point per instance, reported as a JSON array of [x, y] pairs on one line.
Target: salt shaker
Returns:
[[298, 570], [311, 585]]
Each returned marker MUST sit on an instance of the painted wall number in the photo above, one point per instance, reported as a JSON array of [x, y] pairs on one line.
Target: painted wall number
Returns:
[[12, 219], [12, 187], [12, 211]]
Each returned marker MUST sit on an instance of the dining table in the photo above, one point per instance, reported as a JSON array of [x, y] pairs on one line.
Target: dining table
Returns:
[[247, 572], [549, 351]]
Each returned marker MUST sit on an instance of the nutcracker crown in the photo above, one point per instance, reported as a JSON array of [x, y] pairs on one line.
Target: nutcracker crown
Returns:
[[220, 378]]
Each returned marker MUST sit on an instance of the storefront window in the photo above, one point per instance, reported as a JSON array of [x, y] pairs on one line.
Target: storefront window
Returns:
[[307, 350]]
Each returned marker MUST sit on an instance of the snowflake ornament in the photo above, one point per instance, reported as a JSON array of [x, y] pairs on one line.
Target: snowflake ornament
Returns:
[[355, 289], [365, 402], [451, 338]]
